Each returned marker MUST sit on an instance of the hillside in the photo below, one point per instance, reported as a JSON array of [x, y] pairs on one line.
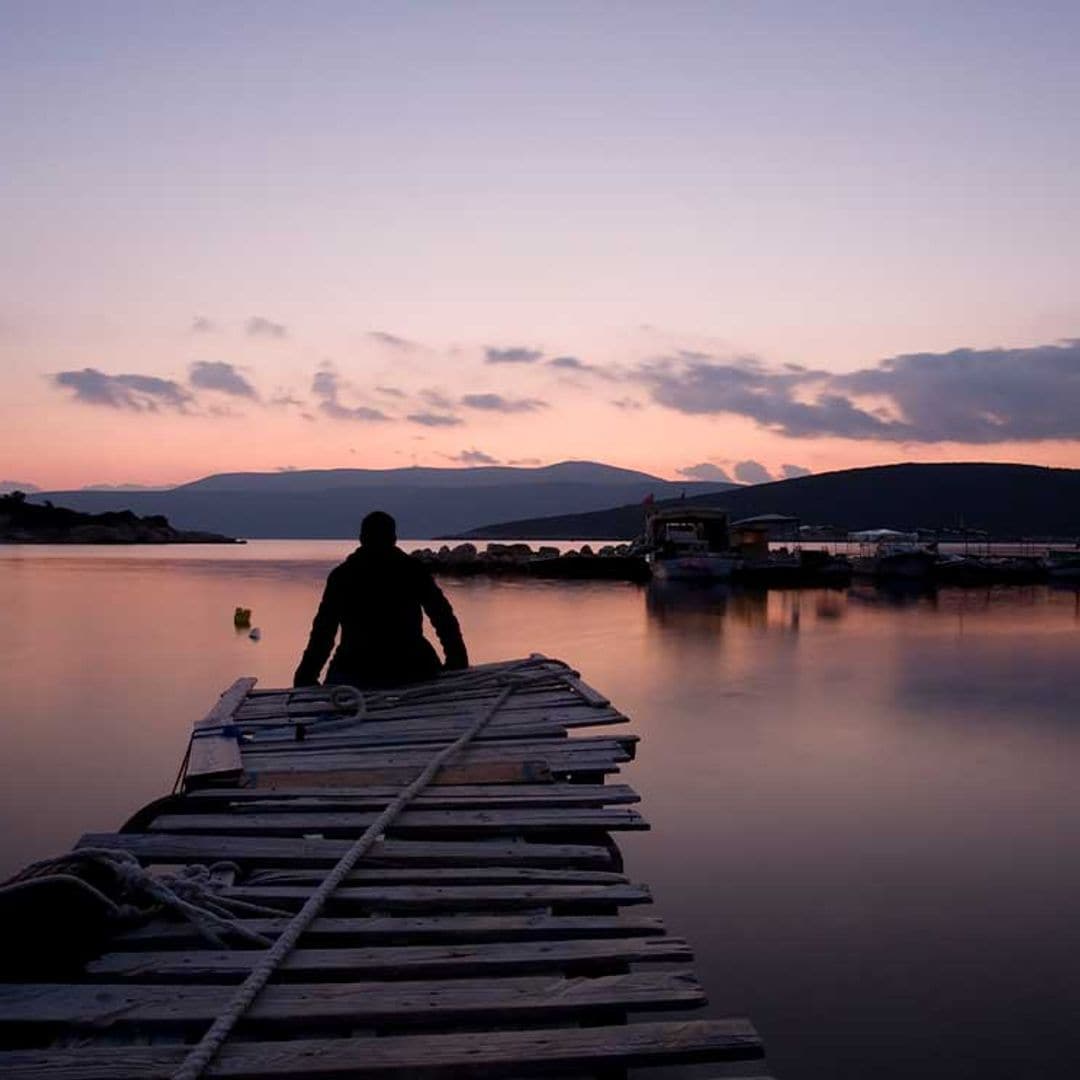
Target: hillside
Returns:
[[1004, 500], [23, 522], [426, 502]]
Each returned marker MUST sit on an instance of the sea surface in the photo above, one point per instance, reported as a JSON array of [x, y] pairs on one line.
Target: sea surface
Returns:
[[865, 806]]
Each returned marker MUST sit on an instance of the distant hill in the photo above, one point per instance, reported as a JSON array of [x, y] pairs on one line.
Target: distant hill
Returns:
[[1004, 500], [426, 502], [23, 522]]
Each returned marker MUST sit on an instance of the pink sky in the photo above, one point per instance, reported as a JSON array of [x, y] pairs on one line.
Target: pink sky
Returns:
[[768, 236]]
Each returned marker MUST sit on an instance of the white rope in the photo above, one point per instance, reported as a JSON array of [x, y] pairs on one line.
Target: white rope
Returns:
[[195, 1064], [190, 893]]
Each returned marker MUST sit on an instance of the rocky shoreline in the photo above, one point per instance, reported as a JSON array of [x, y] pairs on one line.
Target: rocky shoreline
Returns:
[[613, 562], [22, 522]]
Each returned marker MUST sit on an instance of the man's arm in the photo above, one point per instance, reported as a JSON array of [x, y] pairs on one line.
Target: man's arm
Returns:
[[323, 631], [445, 622]]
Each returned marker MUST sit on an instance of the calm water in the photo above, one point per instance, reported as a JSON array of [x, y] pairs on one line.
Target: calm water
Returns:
[[865, 809]]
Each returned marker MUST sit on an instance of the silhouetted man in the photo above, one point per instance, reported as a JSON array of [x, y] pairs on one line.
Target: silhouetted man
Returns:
[[378, 596]]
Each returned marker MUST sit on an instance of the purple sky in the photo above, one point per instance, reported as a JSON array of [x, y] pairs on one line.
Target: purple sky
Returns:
[[260, 235]]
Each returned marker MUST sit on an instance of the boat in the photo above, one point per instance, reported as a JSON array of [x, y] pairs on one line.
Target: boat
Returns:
[[887, 554], [690, 543]]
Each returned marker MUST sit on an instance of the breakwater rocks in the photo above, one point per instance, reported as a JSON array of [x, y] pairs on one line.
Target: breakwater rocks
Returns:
[[612, 562]]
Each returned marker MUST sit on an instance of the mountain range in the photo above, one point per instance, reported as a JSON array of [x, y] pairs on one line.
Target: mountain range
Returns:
[[1006, 501], [427, 502]]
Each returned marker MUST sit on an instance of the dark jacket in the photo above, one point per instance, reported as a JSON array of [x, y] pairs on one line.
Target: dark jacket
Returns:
[[378, 598]]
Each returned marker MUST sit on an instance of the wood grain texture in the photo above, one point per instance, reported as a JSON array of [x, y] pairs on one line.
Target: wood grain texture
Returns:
[[431, 1057]]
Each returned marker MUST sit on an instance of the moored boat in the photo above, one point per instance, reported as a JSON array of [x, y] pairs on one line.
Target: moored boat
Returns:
[[690, 544]]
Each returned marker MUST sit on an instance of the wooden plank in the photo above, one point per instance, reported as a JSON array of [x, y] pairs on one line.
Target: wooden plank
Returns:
[[407, 734], [487, 773], [255, 821], [411, 930], [479, 796], [391, 898], [406, 962], [418, 1057], [543, 997], [216, 752], [515, 750], [443, 875], [300, 851]]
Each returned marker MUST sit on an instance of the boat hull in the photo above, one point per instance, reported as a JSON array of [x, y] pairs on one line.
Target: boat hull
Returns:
[[696, 567]]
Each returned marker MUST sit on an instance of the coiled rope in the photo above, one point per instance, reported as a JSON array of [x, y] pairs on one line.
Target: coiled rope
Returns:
[[128, 894], [195, 1064]]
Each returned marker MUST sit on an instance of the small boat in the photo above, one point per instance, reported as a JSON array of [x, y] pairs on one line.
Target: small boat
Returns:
[[690, 544], [886, 554]]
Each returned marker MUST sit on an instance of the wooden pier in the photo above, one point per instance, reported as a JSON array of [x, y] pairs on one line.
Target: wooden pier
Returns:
[[489, 931]]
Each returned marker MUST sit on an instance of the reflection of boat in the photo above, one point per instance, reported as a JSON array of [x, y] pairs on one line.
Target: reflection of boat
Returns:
[[887, 553], [690, 544], [1063, 565]]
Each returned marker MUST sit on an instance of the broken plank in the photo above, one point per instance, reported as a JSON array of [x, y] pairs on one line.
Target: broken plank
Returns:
[[215, 750], [426, 1057]]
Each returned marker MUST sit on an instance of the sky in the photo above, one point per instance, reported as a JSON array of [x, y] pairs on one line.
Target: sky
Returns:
[[706, 240]]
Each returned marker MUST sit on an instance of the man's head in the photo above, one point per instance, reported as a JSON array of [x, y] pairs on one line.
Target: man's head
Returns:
[[378, 531]]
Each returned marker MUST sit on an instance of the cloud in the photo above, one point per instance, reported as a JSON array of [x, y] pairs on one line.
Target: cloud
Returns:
[[257, 326], [8, 486], [517, 355], [524, 461], [627, 404], [390, 391], [705, 471], [435, 419], [751, 472], [437, 400], [392, 340], [283, 398], [498, 403], [967, 395], [569, 363], [789, 472], [326, 385], [140, 393], [201, 325], [217, 375], [475, 457]]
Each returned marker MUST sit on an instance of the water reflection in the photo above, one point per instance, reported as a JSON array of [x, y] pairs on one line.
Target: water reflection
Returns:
[[864, 804]]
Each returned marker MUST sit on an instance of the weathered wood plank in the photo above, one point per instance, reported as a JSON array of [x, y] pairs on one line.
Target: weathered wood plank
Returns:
[[478, 796], [257, 822], [390, 898], [487, 773], [407, 962], [547, 997], [215, 751], [405, 734], [511, 750], [411, 930], [427, 1057], [300, 851], [443, 875]]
